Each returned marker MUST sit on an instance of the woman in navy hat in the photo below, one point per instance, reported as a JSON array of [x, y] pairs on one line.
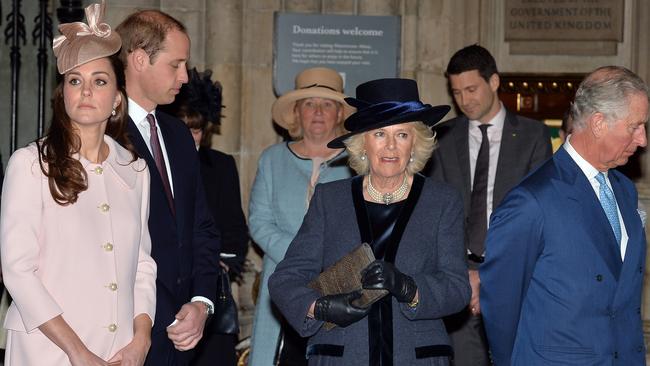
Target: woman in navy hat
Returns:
[[413, 225]]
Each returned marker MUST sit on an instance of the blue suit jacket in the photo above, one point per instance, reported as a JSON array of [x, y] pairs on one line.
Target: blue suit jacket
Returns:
[[568, 298], [185, 247]]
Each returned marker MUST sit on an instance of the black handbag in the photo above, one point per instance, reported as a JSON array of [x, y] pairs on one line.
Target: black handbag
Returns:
[[225, 318]]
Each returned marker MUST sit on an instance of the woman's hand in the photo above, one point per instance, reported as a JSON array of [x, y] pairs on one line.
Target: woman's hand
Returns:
[[380, 275], [133, 354], [86, 358], [339, 309], [61, 334]]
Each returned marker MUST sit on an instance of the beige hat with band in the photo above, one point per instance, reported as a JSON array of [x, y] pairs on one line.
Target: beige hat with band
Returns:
[[80, 42], [319, 82]]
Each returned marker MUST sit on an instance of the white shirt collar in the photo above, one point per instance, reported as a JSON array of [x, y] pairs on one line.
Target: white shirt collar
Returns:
[[139, 114], [589, 171]]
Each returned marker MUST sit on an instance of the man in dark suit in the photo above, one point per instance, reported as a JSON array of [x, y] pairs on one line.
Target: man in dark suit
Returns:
[[482, 153], [185, 241], [570, 243]]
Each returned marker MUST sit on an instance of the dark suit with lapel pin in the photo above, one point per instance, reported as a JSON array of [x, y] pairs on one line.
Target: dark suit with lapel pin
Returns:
[[185, 246], [525, 144]]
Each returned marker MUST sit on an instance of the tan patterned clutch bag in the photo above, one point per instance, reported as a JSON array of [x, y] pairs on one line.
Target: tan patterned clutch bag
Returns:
[[345, 276]]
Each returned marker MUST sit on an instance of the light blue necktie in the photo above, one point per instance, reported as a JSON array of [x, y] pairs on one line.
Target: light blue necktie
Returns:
[[608, 202]]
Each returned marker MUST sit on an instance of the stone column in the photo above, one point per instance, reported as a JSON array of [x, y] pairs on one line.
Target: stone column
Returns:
[[223, 51], [379, 7]]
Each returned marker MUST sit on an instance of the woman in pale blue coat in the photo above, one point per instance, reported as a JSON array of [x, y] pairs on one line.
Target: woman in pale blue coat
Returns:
[[287, 174]]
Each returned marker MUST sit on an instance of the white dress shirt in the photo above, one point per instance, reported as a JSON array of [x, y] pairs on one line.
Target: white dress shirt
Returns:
[[139, 117], [590, 172], [494, 133]]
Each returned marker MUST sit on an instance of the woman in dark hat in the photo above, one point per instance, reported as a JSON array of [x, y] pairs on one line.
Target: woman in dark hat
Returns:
[[413, 225]]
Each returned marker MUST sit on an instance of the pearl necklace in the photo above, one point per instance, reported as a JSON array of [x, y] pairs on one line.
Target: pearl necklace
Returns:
[[389, 197]]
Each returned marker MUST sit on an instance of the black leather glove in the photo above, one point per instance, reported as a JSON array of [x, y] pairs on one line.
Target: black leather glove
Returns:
[[338, 309], [380, 275]]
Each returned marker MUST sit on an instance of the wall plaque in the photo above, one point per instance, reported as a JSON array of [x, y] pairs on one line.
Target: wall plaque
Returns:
[[564, 20], [360, 48]]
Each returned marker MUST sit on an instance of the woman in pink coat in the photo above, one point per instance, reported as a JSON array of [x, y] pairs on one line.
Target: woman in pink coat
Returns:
[[73, 229]]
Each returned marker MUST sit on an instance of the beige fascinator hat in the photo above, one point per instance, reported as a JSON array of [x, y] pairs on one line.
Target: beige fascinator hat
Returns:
[[80, 42], [320, 82]]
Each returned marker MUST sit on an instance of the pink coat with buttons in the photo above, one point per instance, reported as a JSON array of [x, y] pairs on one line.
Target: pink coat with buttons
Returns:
[[88, 262]]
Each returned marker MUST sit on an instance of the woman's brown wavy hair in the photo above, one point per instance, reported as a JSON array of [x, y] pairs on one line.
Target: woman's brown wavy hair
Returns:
[[65, 174]]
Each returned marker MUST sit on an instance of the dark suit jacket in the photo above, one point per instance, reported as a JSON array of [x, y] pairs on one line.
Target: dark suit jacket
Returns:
[[568, 298], [525, 144], [221, 183], [429, 237], [185, 247]]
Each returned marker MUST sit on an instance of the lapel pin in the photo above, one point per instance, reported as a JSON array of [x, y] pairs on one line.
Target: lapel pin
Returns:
[[514, 134]]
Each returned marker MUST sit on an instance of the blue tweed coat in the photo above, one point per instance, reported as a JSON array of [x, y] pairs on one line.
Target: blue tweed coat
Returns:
[[428, 246]]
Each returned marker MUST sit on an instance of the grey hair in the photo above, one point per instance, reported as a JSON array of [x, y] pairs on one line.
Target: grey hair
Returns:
[[605, 90], [423, 146]]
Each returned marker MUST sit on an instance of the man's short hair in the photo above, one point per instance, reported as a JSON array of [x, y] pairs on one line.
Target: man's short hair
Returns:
[[146, 29], [470, 58], [606, 90]]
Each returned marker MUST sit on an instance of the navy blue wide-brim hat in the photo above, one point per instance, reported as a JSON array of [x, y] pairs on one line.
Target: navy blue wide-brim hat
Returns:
[[386, 102]]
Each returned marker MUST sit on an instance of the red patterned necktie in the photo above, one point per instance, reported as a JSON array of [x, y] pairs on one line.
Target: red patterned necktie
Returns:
[[160, 160]]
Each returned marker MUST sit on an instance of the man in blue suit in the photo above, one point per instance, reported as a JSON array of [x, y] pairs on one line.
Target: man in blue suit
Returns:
[[570, 242], [185, 241]]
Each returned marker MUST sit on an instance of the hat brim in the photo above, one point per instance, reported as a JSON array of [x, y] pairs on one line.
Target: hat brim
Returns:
[[431, 116], [283, 108]]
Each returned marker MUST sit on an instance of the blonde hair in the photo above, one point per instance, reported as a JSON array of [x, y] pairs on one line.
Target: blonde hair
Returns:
[[423, 146]]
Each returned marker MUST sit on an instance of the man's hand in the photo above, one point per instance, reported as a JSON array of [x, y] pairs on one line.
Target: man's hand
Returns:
[[475, 283], [188, 330]]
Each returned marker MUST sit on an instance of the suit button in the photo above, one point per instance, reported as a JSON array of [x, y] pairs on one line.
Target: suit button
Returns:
[[639, 349], [112, 286], [178, 281], [112, 328], [615, 354], [104, 207], [99, 170], [640, 269], [638, 310], [599, 278], [108, 247]]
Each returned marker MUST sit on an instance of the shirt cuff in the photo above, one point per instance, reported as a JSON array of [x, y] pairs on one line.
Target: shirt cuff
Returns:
[[202, 299]]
